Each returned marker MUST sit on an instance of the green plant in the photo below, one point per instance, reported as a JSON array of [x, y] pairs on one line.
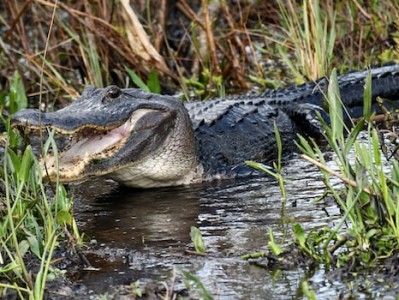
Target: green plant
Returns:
[[203, 293], [307, 291], [97, 71], [206, 85], [310, 34], [273, 246], [196, 238], [12, 102], [16, 99], [370, 200], [277, 166], [31, 224], [277, 174], [152, 84], [136, 290]]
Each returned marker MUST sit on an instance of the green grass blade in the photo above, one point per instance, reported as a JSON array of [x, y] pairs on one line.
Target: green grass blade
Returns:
[[273, 246], [137, 80], [261, 167], [335, 107], [279, 147], [367, 97], [153, 82], [350, 140], [203, 293], [17, 95]]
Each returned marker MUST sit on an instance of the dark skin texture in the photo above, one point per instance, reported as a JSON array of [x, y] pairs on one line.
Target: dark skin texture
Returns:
[[227, 131]]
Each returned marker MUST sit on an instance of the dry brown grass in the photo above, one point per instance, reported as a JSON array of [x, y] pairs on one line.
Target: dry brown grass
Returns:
[[93, 42]]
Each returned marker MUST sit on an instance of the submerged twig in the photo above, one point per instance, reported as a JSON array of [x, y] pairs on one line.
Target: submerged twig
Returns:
[[77, 248]]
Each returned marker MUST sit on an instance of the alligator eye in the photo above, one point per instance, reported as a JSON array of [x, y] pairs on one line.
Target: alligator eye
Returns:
[[114, 92]]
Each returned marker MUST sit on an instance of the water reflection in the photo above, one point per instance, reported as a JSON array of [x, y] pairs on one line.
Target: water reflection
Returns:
[[143, 233], [138, 219]]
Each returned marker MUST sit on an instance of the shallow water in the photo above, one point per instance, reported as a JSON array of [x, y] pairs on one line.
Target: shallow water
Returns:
[[143, 234]]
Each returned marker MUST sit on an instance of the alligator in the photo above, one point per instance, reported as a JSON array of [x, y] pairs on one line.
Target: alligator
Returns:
[[146, 140]]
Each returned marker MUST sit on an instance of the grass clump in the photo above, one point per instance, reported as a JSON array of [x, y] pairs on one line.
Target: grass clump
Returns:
[[368, 231], [311, 36], [33, 219], [369, 201]]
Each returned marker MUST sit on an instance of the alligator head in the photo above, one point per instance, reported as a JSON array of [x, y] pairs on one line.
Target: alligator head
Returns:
[[137, 138]]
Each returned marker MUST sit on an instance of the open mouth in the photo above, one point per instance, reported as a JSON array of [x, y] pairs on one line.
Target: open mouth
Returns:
[[88, 147], [90, 142], [85, 145]]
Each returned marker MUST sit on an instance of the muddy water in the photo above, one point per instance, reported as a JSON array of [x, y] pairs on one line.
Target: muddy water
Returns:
[[144, 234]]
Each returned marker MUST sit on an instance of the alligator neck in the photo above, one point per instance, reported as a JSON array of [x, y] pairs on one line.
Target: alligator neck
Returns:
[[174, 163]]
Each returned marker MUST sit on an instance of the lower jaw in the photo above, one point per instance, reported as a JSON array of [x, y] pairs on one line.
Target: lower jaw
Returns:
[[57, 171]]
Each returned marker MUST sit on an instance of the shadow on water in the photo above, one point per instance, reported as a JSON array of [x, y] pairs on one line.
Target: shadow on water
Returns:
[[138, 219], [142, 234]]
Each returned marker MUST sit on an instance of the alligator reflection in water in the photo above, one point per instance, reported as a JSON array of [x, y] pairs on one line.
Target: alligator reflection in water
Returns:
[[143, 234], [141, 218]]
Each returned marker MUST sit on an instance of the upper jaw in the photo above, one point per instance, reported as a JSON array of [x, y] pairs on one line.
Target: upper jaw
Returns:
[[98, 109], [94, 109]]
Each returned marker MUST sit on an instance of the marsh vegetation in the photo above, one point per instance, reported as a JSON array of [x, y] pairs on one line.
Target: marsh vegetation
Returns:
[[49, 50]]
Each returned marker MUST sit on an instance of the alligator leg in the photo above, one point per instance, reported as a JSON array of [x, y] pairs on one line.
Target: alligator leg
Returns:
[[306, 117]]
